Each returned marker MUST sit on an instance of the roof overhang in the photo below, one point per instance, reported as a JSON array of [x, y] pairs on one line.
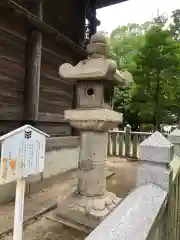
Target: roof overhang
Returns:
[[106, 3]]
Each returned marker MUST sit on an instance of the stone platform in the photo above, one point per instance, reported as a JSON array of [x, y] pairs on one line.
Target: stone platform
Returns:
[[87, 211]]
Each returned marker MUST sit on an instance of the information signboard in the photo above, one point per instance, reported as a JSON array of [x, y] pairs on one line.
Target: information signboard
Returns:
[[22, 155]]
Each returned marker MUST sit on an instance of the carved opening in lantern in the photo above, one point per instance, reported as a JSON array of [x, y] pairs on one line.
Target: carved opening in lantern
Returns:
[[90, 91]]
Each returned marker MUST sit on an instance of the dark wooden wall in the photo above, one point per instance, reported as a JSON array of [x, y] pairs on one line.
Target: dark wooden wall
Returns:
[[55, 94]]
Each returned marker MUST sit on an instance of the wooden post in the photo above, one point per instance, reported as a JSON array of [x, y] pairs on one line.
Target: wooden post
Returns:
[[33, 69], [127, 140], [80, 21], [93, 26]]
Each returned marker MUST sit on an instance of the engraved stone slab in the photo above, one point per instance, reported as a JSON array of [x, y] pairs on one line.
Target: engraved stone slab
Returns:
[[174, 137], [156, 148]]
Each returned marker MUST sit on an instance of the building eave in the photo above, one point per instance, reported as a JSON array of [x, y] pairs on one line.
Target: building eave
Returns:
[[106, 3]]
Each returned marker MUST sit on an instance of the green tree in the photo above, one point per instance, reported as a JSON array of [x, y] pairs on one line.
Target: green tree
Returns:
[[160, 20], [157, 69], [175, 25], [175, 31], [124, 43], [151, 53]]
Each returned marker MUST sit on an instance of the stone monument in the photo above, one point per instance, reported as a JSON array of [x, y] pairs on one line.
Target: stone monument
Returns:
[[95, 78]]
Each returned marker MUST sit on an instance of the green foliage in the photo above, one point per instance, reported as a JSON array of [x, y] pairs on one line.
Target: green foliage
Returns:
[[152, 54], [175, 26], [124, 42], [157, 68]]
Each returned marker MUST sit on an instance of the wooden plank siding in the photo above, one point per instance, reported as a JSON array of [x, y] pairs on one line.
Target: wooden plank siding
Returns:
[[11, 76], [55, 96]]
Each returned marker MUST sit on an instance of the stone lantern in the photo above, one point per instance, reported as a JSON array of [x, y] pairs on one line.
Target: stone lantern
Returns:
[[95, 78]]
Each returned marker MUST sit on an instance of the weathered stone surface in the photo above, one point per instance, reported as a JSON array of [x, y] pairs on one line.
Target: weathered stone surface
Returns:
[[100, 49], [134, 217], [96, 67], [92, 202], [98, 38], [98, 46], [90, 95], [156, 153], [93, 149], [153, 173], [91, 69], [156, 148], [89, 211], [174, 137], [93, 119], [123, 77]]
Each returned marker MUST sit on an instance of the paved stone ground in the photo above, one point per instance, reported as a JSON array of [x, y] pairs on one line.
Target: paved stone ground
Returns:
[[121, 183]]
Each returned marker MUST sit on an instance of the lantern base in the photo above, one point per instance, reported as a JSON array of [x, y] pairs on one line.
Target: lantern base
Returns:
[[87, 211]]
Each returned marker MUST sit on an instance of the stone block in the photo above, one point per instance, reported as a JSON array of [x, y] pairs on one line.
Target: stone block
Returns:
[[174, 137], [90, 95], [158, 174], [156, 148]]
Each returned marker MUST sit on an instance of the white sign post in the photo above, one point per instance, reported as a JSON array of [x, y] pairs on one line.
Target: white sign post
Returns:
[[22, 155], [19, 209]]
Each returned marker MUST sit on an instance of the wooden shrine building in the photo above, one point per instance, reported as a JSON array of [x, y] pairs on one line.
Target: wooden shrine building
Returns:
[[36, 37]]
